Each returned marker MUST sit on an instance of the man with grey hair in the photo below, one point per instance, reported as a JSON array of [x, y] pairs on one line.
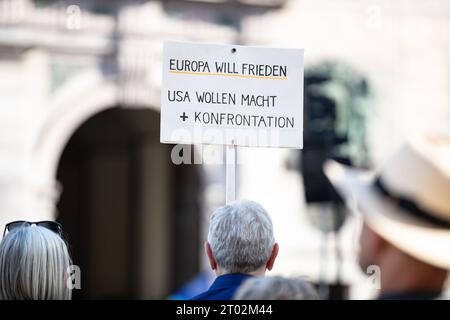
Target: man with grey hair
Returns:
[[240, 245]]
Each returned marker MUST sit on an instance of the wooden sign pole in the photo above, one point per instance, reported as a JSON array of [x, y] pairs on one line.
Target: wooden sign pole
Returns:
[[230, 169]]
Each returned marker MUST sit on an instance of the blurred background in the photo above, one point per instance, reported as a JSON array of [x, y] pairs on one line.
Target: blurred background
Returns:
[[79, 130]]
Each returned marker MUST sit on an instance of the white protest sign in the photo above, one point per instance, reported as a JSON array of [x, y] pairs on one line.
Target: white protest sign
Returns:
[[232, 95]]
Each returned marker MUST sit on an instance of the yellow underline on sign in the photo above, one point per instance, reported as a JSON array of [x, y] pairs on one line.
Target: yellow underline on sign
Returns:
[[227, 75]]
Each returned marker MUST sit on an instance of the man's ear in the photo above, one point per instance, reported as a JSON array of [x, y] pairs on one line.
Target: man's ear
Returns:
[[273, 256], [209, 254]]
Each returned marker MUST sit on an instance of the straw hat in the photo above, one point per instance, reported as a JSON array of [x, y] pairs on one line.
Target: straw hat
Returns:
[[407, 200]]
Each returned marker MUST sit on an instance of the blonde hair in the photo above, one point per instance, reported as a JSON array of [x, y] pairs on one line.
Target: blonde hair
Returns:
[[34, 263]]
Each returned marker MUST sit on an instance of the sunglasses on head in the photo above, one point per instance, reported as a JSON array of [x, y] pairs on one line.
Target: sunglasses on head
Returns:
[[51, 225]]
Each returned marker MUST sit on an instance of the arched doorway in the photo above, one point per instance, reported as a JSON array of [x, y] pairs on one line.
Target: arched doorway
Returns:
[[131, 216]]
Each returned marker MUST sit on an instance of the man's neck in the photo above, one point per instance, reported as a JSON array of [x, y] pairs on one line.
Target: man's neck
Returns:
[[401, 276], [261, 272]]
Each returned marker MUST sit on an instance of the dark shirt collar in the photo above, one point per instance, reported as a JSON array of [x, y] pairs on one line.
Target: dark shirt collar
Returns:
[[229, 281], [410, 295]]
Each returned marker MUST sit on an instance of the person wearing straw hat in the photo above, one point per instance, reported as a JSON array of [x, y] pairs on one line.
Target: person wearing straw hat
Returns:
[[405, 206]]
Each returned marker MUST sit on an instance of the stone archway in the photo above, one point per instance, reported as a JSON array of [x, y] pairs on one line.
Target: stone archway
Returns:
[[71, 108], [161, 207], [34, 193]]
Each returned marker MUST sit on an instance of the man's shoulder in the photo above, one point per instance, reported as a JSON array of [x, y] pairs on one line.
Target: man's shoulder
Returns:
[[226, 294], [223, 287], [201, 296]]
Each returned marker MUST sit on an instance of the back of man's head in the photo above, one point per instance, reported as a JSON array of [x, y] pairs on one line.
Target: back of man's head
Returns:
[[241, 237]]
